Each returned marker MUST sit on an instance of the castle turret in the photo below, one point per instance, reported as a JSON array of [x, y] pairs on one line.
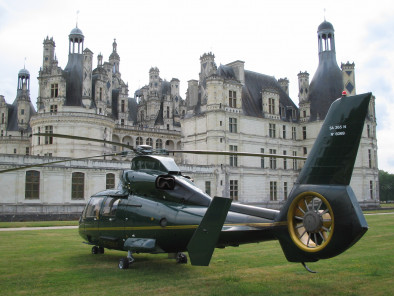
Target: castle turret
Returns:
[[49, 53], [23, 99], [208, 66], [349, 80], [87, 77], [284, 84], [327, 84], [74, 69]]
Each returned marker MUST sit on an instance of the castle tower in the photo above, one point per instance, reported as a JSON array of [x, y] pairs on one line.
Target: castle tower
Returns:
[[327, 84], [303, 86], [349, 80], [87, 77], [74, 68], [49, 53], [208, 66], [284, 84], [114, 58], [23, 99], [154, 81]]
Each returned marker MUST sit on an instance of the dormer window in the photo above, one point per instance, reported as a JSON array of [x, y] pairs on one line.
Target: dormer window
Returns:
[[54, 90], [271, 106], [232, 99]]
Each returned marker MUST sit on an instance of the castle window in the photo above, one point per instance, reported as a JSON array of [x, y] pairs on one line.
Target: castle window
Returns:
[[122, 106], [77, 185], [2, 118], [304, 132], [284, 160], [293, 133], [233, 158], [232, 99], [32, 185], [273, 191], [101, 93], [285, 190], [22, 111], [284, 132], [271, 106], [110, 181], [295, 161], [54, 90], [122, 122], [232, 125], [369, 158], [27, 150], [272, 159], [139, 141], [168, 112], [371, 189], [368, 131], [159, 144], [305, 150], [48, 130], [53, 109], [262, 162], [208, 187], [149, 142], [2, 133], [234, 189], [272, 130]]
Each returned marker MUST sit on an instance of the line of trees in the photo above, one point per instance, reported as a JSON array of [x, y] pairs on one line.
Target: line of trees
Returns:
[[386, 186]]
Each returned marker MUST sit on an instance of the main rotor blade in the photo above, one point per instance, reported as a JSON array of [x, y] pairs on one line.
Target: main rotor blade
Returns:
[[84, 139], [211, 152], [59, 161]]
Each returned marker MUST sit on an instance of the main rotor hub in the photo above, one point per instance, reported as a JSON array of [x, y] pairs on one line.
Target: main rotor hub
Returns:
[[313, 221]]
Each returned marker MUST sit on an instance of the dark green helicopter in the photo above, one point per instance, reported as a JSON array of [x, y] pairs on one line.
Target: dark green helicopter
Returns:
[[156, 209]]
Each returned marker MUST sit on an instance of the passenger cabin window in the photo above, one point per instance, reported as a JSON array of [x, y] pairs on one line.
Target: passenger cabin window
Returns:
[[110, 206]]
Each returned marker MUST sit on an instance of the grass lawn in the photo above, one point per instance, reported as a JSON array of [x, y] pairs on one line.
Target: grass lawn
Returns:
[[37, 224], [55, 262]]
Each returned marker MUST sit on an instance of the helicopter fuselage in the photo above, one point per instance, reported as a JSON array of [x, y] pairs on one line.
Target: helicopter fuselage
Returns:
[[158, 226]]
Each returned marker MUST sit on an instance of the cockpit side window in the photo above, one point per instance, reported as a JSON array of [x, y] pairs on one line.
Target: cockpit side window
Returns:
[[110, 206], [93, 208]]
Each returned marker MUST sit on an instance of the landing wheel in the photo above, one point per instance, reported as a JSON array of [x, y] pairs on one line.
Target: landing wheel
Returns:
[[101, 250], [310, 221], [124, 263], [95, 250], [181, 258]]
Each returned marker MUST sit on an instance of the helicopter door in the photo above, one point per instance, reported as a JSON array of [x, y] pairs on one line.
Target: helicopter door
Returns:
[[90, 218], [111, 228]]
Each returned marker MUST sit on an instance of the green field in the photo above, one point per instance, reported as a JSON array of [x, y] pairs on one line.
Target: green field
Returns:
[[55, 262]]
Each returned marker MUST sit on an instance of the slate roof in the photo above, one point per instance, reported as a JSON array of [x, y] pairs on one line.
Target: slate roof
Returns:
[[251, 91]]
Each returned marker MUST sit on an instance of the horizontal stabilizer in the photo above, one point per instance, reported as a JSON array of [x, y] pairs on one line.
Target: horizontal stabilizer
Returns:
[[203, 242]]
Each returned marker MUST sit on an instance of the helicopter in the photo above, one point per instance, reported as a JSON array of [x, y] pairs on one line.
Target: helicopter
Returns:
[[156, 209]]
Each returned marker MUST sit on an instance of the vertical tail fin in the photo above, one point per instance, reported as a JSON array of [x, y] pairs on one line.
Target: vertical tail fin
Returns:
[[332, 157]]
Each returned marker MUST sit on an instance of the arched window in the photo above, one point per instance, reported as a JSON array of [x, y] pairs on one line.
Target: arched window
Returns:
[[32, 185], [159, 144], [110, 181], [149, 142], [139, 141], [77, 185]]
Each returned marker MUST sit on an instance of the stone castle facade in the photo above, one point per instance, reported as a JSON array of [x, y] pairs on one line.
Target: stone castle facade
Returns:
[[229, 108]]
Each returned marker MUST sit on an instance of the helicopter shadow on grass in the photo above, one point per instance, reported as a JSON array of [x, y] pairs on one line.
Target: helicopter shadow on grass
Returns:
[[143, 262]]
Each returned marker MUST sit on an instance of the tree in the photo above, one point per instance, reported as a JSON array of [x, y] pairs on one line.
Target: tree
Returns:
[[386, 186]]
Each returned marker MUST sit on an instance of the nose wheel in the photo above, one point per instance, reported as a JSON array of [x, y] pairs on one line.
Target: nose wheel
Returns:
[[310, 221]]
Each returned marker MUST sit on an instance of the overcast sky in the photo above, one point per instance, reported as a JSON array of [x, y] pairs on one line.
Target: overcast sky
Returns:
[[277, 38]]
